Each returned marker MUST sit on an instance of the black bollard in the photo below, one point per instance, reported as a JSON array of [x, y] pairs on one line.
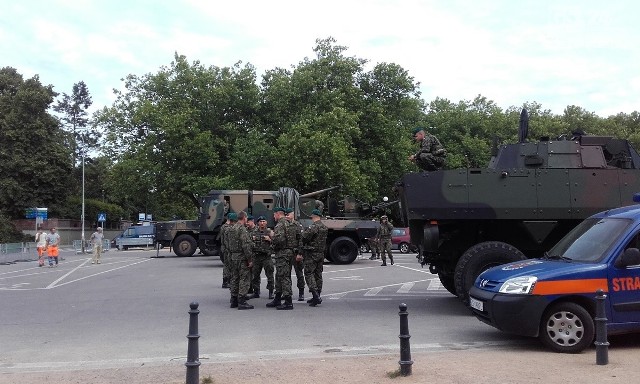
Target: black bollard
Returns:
[[405, 348], [193, 354], [602, 345]]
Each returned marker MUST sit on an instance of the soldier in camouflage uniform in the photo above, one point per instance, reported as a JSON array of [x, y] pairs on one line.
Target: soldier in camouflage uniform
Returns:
[[251, 224], [241, 250], [298, 266], [261, 237], [314, 240], [373, 244], [226, 259], [431, 155], [384, 236], [284, 244]]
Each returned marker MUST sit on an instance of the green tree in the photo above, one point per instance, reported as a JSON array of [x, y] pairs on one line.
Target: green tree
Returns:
[[35, 162], [75, 119]]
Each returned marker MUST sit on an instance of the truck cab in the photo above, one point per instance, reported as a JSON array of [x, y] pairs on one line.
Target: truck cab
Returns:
[[554, 297]]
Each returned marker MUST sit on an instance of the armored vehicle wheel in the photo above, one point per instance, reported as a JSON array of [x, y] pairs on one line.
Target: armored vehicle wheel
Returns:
[[343, 250], [478, 259], [566, 328], [184, 246], [447, 282]]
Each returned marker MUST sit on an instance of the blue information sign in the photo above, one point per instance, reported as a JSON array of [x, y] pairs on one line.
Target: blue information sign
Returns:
[[102, 217]]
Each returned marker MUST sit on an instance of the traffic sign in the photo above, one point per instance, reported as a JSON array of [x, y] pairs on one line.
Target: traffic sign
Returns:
[[102, 217]]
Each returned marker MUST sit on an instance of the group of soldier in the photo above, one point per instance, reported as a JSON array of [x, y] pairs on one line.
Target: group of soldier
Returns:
[[247, 249]]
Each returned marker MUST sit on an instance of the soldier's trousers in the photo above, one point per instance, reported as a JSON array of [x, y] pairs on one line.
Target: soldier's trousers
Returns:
[[429, 162], [313, 265], [374, 250], [260, 261], [283, 272], [298, 266], [385, 249], [226, 266], [240, 278]]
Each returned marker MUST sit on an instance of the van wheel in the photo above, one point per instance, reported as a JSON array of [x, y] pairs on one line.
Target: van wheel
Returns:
[[343, 250], [184, 246], [566, 328], [478, 259]]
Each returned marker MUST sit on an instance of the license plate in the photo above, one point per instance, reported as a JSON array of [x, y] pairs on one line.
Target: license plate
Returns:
[[476, 304]]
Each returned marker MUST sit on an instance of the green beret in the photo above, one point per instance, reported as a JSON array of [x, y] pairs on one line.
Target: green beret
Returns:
[[288, 210], [316, 212], [261, 218], [416, 130], [278, 209], [249, 218], [232, 216]]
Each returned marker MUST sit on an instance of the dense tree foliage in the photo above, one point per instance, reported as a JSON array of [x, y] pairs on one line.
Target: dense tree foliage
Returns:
[[173, 135], [36, 163]]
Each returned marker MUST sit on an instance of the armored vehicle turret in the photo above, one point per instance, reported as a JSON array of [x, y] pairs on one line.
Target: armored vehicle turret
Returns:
[[530, 195]]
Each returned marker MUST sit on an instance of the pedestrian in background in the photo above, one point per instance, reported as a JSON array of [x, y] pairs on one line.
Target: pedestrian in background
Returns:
[[384, 240], [97, 238], [53, 241], [41, 246]]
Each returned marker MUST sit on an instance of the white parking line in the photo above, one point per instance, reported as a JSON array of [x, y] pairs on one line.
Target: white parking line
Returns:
[[52, 285], [100, 273], [341, 294]]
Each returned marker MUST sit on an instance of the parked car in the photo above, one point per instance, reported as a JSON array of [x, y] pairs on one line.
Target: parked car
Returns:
[[401, 240], [554, 298]]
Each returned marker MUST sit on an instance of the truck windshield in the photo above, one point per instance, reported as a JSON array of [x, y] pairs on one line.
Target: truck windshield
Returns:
[[589, 241]]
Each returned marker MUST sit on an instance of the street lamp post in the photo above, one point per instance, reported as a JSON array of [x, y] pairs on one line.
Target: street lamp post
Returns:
[[82, 217]]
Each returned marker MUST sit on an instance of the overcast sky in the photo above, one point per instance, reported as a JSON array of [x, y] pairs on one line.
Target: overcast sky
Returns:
[[557, 53]]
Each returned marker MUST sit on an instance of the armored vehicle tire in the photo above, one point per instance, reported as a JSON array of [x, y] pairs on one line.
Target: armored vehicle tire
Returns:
[[184, 246], [478, 259], [447, 283], [567, 328], [343, 250]]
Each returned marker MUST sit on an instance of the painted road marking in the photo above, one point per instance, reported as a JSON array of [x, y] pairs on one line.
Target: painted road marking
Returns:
[[373, 291], [406, 287], [435, 285]]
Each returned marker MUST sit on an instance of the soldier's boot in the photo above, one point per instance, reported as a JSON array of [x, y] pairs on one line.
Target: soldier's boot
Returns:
[[384, 263], [225, 283], [276, 301], [373, 256], [300, 294], [391, 258], [242, 304], [319, 298], [271, 294], [234, 302], [287, 304], [256, 293], [315, 300]]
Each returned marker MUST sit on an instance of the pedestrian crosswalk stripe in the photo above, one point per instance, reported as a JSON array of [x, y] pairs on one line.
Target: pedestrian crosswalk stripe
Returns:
[[434, 285], [373, 291], [406, 287]]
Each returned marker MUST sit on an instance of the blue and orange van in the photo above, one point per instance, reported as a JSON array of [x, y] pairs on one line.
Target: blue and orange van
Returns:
[[553, 297]]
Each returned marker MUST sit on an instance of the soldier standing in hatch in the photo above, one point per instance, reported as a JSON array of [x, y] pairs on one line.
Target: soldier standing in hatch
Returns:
[[241, 250], [431, 155], [298, 266], [284, 241], [226, 258], [261, 237], [384, 240], [314, 241]]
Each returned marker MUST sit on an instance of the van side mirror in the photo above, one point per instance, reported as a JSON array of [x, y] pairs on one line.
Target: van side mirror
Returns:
[[630, 256]]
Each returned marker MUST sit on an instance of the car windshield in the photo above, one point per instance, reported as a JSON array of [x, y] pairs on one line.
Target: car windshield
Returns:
[[589, 241]]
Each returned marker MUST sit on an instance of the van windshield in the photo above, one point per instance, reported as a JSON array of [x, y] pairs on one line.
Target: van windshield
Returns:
[[590, 240]]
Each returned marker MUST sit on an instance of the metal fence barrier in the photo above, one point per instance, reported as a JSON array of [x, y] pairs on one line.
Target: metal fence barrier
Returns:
[[88, 246]]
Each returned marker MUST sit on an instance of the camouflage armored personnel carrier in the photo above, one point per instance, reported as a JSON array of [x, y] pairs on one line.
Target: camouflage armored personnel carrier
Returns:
[[531, 194], [349, 221]]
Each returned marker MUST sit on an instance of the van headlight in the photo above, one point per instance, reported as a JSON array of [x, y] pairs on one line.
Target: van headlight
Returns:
[[519, 285]]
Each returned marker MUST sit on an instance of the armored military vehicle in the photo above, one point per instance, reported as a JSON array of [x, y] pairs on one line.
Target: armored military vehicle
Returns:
[[349, 221], [530, 195]]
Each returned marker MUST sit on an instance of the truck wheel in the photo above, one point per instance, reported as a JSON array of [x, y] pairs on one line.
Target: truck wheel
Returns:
[[343, 250], [447, 283], [478, 259], [566, 328], [404, 247], [184, 246]]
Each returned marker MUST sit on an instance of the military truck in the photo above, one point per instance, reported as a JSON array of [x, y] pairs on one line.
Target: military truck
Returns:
[[465, 221], [349, 221]]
